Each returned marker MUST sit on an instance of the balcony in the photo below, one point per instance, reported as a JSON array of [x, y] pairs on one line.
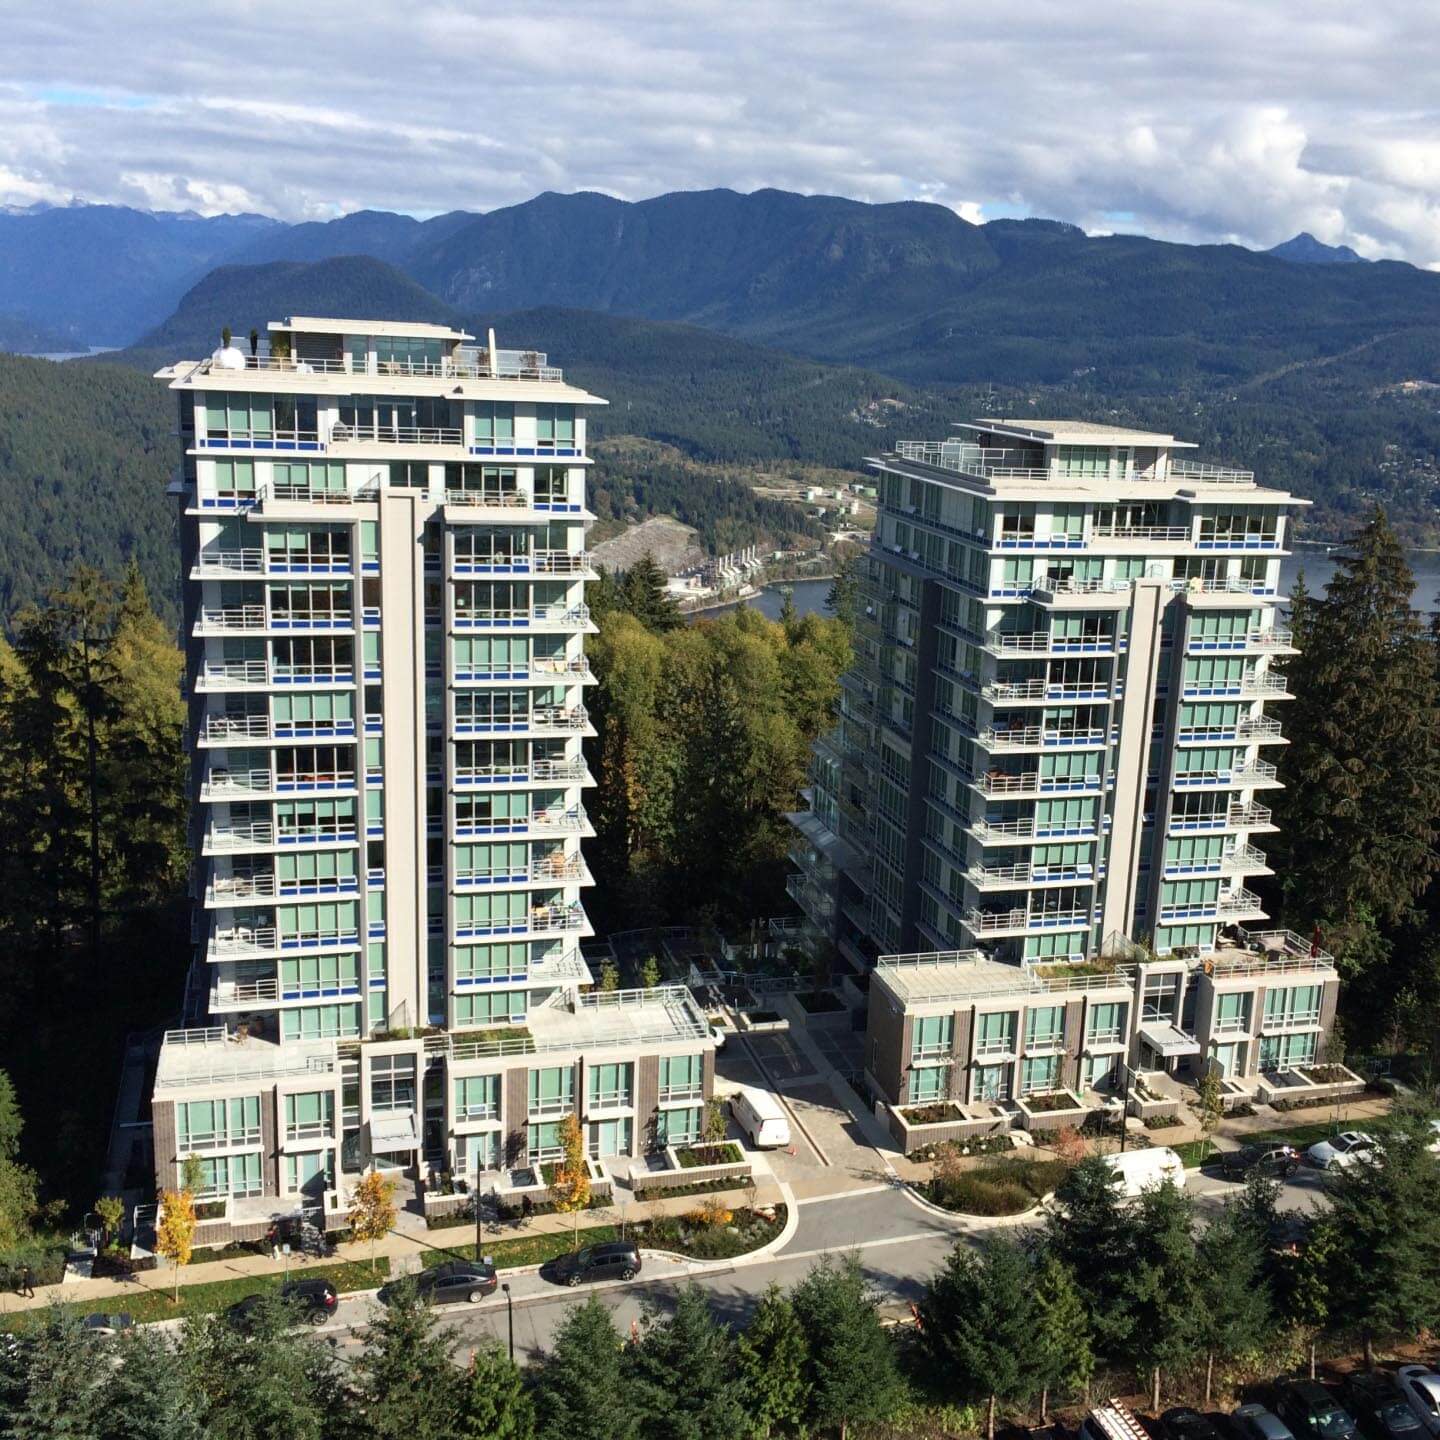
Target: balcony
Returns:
[[1019, 920], [488, 499], [566, 771], [547, 617], [220, 564], [230, 620], [537, 872], [999, 786], [1251, 773], [212, 1056], [1240, 904], [1178, 534], [1005, 832], [1249, 686], [1200, 474], [397, 435], [1039, 737], [1010, 692], [258, 835], [1261, 729], [233, 729], [1000, 877]]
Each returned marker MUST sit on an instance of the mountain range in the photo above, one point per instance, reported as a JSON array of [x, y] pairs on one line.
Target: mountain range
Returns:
[[909, 289]]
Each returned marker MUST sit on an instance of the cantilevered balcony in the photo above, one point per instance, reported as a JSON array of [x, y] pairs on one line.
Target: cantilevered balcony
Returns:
[[1260, 729], [1253, 685], [1018, 920], [1002, 877], [1027, 829], [1236, 859], [995, 785], [1260, 774], [535, 617], [548, 869], [569, 772], [1045, 642], [1236, 817], [999, 740], [1037, 691]]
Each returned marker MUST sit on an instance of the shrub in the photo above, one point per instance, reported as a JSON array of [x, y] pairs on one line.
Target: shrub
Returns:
[[973, 1196]]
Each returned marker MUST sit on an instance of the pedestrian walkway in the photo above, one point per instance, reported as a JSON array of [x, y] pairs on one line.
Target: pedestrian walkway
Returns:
[[403, 1247]]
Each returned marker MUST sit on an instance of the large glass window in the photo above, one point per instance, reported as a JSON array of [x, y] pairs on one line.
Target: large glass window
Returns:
[[310, 1172], [927, 1082], [477, 1097], [310, 1115], [213, 1124], [1039, 1073], [1106, 1023], [679, 1126], [1044, 1027], [494, 423], [489, 1007], [555, 426], [995, 1033], [931, 1035], [611, 1085], [238, 1175], [392, 1083], [1232, 1012], [545, 1143], [552, 1090], [1293, 1005], [682, 1077], [320, 1022], [1286, 1052]]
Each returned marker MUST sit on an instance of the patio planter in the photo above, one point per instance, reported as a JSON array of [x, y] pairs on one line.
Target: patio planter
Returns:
[[1145, 1105], [1294, 1088], [835, 1017], [966, 1123], [761, 1022], [1053, 1110]]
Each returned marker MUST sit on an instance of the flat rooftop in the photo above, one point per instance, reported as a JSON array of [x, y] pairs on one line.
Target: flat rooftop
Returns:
[[337, 325], [1077, 432], [213, 1056]]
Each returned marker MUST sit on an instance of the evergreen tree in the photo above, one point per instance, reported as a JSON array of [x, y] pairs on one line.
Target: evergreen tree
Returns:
[[11, 1122], [1309, 1276], [851, 1369], [691, 1346], [1362, 769], [646, 597], [266, 1382], [978, 1323], [1234, 1310], [1163, 1281], [406, 1377], [843, 599], [581, 1387], [1387, 1229], [772, 1357], [146, 1395], [1062, 1355], [1092, 1233], [494, 1403], [56, 1392]]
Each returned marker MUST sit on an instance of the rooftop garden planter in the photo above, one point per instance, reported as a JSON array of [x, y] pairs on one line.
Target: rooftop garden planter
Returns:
[[727, 1152], [936, 1114]]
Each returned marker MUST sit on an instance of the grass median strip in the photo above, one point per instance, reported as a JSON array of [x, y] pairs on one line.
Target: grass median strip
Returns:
[[527, 1249], [154, 1302]]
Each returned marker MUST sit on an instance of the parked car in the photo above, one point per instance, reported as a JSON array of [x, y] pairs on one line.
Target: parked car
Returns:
[[1185, 1423], [314, 1299], [617, 1260], [761, 1116], [1276, 1161], [1311, 1411], [1342, 1151], [1421, 1387], [107, 1324], [468, 1280], [1142, 1170], [1255, 1422], [1380, 1407]]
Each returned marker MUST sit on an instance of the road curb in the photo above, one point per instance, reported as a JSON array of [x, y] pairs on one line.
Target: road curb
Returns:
[[980, 1222]]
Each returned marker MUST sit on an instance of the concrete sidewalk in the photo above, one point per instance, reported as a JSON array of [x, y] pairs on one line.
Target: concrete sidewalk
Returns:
[[403, 1248]]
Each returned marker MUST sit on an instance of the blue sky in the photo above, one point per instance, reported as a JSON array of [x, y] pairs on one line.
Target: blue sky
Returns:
[[1200, 120]]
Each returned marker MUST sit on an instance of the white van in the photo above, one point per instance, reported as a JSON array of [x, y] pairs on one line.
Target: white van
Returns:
[[1141, 1170], [761, 1116]]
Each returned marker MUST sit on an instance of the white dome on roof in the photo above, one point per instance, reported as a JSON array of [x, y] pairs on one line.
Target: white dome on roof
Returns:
[[228, 358]]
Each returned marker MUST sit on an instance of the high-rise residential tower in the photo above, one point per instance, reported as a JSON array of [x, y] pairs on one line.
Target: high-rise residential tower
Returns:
[[383, 539], [1057, 740]]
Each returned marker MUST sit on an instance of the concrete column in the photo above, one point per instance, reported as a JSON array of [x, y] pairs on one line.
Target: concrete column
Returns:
[[1130, 757], [402, 516]]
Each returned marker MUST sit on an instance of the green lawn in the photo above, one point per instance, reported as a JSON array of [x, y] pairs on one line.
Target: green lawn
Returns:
[[155, 1304], [1308, 1132], [1192, 1152], [528, 1250]]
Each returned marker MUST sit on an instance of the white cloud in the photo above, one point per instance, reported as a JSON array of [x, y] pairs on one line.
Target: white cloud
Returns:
[[1188, 119]]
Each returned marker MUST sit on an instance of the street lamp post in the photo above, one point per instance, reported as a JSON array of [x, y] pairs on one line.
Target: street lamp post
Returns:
[[510, 1316]]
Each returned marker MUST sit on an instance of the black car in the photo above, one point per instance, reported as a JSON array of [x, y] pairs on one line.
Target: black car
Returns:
[[1380, 1409], [1311, 1412], [1278, 1162], [1184, 1423], [314, 1299], [468, 1280], [617, 1260]]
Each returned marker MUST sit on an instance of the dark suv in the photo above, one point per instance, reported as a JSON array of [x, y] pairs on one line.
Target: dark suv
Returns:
[[1379, 1407], [1185, 1423], [1278, 1162], [314, 1299], [469, 1280], [617, 1260], [1311, 1412]]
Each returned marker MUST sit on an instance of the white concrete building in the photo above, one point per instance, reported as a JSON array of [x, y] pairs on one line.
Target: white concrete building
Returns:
[[383, 532]]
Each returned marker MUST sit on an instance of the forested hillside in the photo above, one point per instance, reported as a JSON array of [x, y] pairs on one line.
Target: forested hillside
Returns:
[[86, 452]]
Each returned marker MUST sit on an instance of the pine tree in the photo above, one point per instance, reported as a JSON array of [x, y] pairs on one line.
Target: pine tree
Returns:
[[1092, 1233], [646, 597], [709, 1404], [851, 1370], [1163, 1282], [843, 599], [1388, 1231], [408, 1383], [494, 1403], [581, 1387], [57, 1392], [1235, 1311], [1362, 769], [1062, 1358], [772, 1357], [147, 1396], [978, 1323], [1309, 1277]]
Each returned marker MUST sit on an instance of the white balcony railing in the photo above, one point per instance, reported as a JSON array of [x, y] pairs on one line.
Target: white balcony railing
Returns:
[[236, 727], [396, 435], [1141, 532]]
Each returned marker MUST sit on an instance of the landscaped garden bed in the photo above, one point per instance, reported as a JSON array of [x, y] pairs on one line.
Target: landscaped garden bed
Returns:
[[727, 1152], [939, 1113], [1004, 1187], [1052, 1110], [1002, 1144]]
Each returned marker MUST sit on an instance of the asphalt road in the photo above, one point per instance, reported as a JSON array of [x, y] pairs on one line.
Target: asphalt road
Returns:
[[899, 1243]]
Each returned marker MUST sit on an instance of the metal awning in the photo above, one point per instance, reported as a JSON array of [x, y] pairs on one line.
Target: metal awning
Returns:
[[1169, 1041], [394, 1133]]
